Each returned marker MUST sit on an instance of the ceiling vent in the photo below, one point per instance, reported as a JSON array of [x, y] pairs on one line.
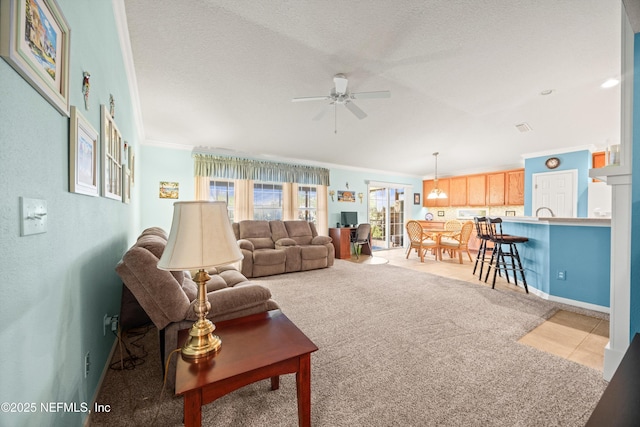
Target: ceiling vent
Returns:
[[524, 127]]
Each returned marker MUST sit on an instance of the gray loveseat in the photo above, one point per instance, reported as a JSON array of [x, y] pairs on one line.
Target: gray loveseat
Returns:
[[276, 247]]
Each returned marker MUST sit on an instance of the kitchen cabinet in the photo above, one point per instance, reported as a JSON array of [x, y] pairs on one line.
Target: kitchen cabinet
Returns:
[[427, 186], [514, 187], [476, 190], [598, 160], [495, 193], [491, 189], [458, 191]]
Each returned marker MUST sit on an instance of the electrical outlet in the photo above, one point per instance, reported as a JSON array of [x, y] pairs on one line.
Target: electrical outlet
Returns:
[[87, 364], [111, 321], [562, 275], [114, 323]]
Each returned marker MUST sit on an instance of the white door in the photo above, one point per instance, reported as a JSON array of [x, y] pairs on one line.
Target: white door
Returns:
[[556, 191]]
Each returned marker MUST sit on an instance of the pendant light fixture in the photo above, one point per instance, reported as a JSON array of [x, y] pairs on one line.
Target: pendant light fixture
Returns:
[[436, 193]]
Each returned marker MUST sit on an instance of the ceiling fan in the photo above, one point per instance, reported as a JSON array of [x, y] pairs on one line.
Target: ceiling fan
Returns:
[[341, 96]]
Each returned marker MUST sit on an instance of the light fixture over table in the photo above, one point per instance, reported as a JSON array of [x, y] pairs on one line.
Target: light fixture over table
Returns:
[[436, 193], [201, 237]]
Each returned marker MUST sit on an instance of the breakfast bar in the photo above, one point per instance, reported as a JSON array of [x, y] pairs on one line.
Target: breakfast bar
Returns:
[[566, 259]]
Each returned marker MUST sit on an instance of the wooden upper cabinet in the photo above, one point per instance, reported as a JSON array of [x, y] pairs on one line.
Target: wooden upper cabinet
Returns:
[[427, 186], [515, 187], [458, 191], [495, 189], [598, 160], [476, 190]]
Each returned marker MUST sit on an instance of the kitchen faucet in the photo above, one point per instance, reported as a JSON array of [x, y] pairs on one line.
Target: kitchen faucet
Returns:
[[544, 207]]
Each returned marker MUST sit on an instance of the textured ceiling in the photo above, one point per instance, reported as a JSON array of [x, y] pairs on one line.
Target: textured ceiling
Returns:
[[221, 74]]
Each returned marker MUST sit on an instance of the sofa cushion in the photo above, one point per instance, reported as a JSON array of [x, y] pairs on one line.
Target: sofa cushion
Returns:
[[300, 231], [278, 230], [232, 299], [215, 283], [232, 277], [268, 257], [313, 252]]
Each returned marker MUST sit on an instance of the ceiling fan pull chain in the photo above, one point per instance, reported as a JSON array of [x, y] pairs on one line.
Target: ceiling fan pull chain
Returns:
[[335, 122]]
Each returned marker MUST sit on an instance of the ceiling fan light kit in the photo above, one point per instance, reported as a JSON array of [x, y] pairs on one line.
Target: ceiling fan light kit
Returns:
[[341, 96]]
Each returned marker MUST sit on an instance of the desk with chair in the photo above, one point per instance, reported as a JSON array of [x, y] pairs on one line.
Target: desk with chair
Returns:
[[341, 238]]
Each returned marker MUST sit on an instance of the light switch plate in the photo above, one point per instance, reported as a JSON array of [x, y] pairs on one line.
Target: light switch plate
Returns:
[[33, 216]]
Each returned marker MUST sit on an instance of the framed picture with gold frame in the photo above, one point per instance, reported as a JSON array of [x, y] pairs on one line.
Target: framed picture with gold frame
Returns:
[[83, 155], [35, 40]]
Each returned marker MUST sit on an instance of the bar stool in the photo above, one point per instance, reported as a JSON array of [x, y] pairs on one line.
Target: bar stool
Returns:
[[483, 234], [505, 247]]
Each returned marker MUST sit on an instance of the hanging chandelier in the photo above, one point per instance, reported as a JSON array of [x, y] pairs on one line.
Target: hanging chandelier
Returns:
[[436, 193]]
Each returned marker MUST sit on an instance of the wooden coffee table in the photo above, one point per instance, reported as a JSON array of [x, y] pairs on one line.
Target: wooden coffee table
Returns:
[[254, 348]]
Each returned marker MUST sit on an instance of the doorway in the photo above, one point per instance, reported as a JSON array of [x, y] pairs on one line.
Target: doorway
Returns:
[[556, 191], [386, 214]]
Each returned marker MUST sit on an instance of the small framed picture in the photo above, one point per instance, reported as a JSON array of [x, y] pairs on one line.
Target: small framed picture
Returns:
[[416, 198], [83, 156], [440, 213], [169, 190], [510, 213]]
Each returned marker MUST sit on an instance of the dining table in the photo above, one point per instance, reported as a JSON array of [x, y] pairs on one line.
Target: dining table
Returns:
[[438, 233]]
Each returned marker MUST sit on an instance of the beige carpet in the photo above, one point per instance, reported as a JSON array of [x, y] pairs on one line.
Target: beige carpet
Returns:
[[396, 348]]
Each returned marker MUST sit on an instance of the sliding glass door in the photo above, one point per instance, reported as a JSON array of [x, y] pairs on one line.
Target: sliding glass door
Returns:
[[386, 215]]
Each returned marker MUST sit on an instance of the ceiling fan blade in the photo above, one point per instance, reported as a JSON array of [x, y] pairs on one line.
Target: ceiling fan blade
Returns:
[[322, 112], [311, 98], [371, 95], [355, 110]]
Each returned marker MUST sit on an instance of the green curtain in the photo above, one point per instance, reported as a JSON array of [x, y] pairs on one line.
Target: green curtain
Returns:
[[258, 170]]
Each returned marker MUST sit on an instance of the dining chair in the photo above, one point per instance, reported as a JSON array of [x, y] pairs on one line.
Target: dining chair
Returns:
[[459, 243], [418, 240]]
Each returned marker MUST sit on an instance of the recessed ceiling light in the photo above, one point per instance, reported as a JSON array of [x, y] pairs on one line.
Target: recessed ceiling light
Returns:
[[546, 92], [610, 83]]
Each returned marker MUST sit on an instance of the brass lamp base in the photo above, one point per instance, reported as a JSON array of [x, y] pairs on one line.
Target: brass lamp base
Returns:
[[201, 342]]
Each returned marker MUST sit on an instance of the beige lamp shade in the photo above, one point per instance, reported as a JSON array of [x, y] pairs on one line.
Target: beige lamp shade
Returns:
[[201, 237]]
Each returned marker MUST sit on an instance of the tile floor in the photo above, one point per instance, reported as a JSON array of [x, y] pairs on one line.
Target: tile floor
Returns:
[[577, 337]]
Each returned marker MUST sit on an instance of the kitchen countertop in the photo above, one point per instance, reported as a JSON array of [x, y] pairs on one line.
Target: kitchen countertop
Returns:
[[585, 222]]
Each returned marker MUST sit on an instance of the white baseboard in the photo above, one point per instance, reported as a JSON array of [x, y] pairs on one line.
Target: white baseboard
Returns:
[[580, 304]]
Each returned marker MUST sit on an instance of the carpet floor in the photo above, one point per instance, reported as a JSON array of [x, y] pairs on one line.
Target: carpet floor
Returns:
[[397, 347]]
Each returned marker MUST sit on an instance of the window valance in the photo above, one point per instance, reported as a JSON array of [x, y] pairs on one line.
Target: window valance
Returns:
[[258, 170]]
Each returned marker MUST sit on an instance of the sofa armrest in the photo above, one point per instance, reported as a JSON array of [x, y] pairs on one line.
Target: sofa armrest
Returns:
[[231, 300], [285, 241], [246, 244], [321, 240]]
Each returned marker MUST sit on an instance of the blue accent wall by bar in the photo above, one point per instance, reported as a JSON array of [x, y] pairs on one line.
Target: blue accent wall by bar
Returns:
[[580, 160]]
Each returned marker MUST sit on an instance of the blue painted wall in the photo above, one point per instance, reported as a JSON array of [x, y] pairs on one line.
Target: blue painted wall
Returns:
[[582, 252], [168, 164], [580, 160], [57, 286], [635, 198]]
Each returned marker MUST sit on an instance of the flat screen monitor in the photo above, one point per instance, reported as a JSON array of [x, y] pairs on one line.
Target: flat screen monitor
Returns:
[[349, 219]]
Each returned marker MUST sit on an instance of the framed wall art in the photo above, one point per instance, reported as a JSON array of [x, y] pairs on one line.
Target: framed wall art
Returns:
[[416, 198], [126, 185], [111, 156], [34, 40], [169, 190], [346, 196], [83, 156]]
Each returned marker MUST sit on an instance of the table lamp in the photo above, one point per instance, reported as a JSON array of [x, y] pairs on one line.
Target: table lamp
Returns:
[[201, 237]]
